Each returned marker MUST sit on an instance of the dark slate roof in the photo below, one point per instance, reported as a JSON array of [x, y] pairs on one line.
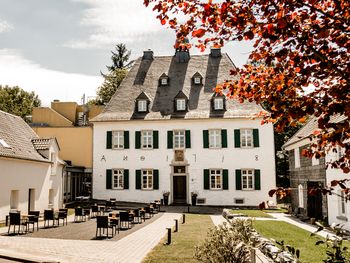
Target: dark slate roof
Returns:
[[144, 77], [309, 128], [18, 135]]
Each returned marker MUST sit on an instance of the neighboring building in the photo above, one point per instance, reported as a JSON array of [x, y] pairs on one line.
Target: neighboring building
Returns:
[[30, 170], [309, 173], [164, 130], [69, 123]]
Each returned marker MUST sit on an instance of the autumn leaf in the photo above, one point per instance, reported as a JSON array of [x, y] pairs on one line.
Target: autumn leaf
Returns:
[[199, 33]]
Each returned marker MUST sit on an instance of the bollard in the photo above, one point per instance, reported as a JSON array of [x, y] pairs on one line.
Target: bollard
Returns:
[[169, 236], [188, 209], [183, 219], [176, 225]]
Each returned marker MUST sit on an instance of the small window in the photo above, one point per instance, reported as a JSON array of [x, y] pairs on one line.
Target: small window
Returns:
[[301, 195], [164, 81], [197, 80], [118, 139], [147, 139], [214, 138], [118, 179], [142, 105], [147, 179], [342, 203], [218, 104], [14, 199], [239, 201], [179, 139], [297, 158], [215, 179], [4, 144], [247, 180], [51, 198], [181, 104], [246, 138]]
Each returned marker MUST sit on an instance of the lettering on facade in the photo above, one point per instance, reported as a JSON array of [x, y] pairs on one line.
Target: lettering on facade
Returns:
[[103, 158], [125, 158], [256, 157], [142, 158]]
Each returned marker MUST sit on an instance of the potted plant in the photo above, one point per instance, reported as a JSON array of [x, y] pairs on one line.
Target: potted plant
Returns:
[[166, 197], [194, 195]]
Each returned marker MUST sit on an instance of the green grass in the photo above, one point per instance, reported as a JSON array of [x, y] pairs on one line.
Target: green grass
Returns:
[[293, 236], [252, 212], [181, 249]]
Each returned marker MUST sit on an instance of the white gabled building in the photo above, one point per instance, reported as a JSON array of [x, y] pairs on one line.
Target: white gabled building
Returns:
[[164, 130], [30, 170]]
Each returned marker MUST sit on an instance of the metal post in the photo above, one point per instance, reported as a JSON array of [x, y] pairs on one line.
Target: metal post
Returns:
[[183, 219], [176, 225], [169, 236], [188, 209]]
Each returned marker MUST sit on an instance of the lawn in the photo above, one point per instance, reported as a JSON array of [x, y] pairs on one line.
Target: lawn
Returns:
[[252, 212], [294, 236], [181, 249]]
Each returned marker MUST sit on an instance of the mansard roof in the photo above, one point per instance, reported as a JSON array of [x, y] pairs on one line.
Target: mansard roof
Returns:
[[18, 136], [144, 77]]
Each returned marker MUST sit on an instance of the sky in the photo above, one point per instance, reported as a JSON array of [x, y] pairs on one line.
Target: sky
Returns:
[[57, 48]]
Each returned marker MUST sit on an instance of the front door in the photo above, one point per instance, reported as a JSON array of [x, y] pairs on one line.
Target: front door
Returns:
[[314, 200], [179, 184]]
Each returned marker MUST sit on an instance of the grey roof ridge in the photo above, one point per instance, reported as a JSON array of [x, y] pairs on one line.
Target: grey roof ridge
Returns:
[[13, 115]]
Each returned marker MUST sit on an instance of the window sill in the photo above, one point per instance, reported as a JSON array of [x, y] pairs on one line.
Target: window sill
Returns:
[[146, 148], [342, 218], [118, 189], [147, 189], [118, 148]]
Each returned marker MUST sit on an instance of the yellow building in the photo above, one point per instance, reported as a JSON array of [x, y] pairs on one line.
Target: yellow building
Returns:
[[69, 123]]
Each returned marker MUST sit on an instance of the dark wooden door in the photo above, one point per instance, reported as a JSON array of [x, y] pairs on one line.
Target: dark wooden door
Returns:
[[179, 184], [314, 200]]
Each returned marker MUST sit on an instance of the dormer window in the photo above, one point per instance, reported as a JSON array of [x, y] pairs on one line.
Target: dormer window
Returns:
[[197, 79], [218, 103], [181, 104], [142, 106], [164, 80]]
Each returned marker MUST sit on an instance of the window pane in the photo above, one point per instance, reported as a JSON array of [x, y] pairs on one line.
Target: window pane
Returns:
[[142, 105]]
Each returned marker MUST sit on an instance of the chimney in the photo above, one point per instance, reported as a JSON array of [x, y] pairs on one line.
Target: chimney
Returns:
[[148, 54], [182, 56], [215, 52]]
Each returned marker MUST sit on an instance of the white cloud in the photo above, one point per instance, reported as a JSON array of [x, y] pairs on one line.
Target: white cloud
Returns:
[[116, 21], [47, 84], [5, 26]]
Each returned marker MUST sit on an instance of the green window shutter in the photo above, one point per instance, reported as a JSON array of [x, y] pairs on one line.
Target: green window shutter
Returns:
[[188, 139], [238, 180], [225, 179], [126, 139], [109, 140], [205, 139], [126, 179], [138, 179], [108, 179], [257, 179], [137, 140], [206, 179], [256, 137], [170, 139], [237, 138], [155, 179], [224, 138], [155, 140]]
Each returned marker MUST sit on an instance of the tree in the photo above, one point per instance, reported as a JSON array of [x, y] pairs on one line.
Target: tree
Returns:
[[17, 101], [300, 61], [116, 73]]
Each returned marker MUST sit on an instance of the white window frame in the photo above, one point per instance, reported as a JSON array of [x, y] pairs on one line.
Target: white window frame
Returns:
[[180, 104], [163, 81], [342, 203], [197, 80], [296, 158], [247, 140], [301, 195], [246, 174], [118, 139], [147, 179], [215, 139], [142, 105], [147, 139], [179, 139], [218, 103], [118, 179], [215, 177]]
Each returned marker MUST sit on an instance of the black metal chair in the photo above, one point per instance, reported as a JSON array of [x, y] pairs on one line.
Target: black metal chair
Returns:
[[34, 219], [15, 220], [95, 211], [124, 217], [102, 223], [148, 211], [49, 215], [138, 216], [62, 215], [87, 213], [79, 215]]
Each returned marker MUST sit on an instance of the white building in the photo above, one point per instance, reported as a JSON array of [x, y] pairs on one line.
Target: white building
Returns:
[[30, 171], [164, 130]]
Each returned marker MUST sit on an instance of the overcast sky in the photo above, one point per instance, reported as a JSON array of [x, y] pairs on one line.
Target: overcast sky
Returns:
[[57, 48]]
